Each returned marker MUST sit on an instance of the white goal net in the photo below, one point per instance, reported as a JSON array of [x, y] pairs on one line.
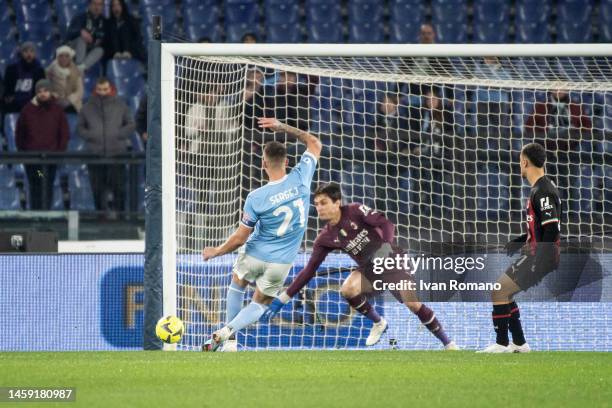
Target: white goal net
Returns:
[[432, 142]]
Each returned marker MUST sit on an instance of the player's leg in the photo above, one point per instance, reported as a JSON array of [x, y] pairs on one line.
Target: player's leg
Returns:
[[426, 316], [235, 291], [355, 289], [502, 299], [268, 285]]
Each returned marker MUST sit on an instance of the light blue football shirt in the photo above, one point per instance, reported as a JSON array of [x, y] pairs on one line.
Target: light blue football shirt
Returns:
[[279, 213]]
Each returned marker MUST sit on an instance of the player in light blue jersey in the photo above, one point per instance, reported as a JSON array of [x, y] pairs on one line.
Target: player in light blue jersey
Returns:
[[273, 223]]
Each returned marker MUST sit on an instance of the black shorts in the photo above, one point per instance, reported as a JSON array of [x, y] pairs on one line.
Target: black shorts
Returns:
[[526, 273]]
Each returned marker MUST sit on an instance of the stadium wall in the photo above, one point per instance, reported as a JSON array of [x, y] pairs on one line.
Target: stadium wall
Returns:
[[75, 302]]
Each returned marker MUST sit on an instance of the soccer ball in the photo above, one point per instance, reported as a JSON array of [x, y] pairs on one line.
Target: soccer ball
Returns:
[[169, 329]]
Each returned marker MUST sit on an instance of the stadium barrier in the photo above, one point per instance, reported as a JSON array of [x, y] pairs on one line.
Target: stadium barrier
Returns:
[[67, 302]]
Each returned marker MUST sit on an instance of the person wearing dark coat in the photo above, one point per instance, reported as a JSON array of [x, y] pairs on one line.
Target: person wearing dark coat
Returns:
[[21, 77], [86, 34], [42, 126], [123, 39]]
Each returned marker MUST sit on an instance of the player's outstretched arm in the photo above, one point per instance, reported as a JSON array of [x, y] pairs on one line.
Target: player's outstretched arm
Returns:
[[313, 144], [235, 241]]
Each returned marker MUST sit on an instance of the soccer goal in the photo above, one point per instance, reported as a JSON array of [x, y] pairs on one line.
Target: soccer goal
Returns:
[[428, 135]]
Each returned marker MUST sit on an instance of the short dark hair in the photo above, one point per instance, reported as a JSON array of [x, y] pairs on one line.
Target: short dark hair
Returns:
[[275, 152], [535, 153], [102, 80], [332, 190], [248, 35]]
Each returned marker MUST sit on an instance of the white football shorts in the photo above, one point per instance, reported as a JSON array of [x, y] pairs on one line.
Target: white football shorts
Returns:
[[269, 277]]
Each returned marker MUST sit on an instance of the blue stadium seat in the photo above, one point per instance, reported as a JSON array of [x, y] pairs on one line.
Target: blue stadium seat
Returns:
[[65, 12], [9, 199], [7, 177], [242, 12], [79, 190], [448, 12], [283, 33], [451, 32], [366, 32], [323, 12], [574, 21], [35, 31], [200, 14], [605, 21], [405, 18], [7, 29], [282, 11], [57, 199], [235, 32], [10, 124], [365, 11], [491, 21], [198, 31], [123, 68], [573, 32], [149, 3], [532, 21], [325, 32], [168, 12], [33, 12]]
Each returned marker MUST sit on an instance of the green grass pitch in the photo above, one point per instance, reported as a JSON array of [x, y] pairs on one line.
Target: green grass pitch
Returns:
[[349, 379]]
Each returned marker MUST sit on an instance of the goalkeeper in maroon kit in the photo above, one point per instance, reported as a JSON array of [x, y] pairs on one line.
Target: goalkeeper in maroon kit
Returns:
[[364, 235]]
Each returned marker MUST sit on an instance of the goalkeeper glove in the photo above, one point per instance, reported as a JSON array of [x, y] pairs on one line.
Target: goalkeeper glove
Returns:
[[275, 307], [515, 245]]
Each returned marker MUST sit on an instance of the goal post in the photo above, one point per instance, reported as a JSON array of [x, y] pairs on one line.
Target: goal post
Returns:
[[459, 183]]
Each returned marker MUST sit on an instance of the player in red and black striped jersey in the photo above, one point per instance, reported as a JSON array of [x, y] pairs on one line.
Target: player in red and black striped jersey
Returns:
[[540, 251], [364, 234]]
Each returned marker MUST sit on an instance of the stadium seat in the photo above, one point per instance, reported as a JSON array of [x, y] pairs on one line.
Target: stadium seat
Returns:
[[33, 12], [196, 32], [167, 11], [57, 199], [366, 32], [65, 12], [448, 12], [490, 33], [241, 12], [123, 68], [323, 12], [532, 21], [7, 29], [324, 32], [573, 32], [200, 14], [405, 18], [283, 33], [491, 21], [605, 21], [9, 199], [365, 11], [150, 3], [282, 11], [574, 21], [235, 32], [451, 33], [7, 177], [35, 31], [10, 124], [79, 190]]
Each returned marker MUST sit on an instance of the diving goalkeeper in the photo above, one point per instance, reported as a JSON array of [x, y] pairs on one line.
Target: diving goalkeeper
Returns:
[[363, 234]]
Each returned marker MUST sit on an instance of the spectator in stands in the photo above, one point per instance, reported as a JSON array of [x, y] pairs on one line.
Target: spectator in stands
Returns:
[[492, 104], [291, 99], [123, 39], [559, 121], [253, 98], [437, 127], [42, 126], [66, 79], [141, 118], [106, 123], [427, 34], [392, 125], [86, 34], [21, 77], [249, 38], [200, 123]]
